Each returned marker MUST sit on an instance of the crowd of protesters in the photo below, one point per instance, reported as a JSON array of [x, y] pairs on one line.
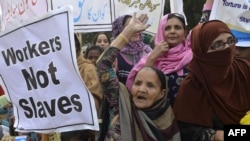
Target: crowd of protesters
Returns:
[[183, 86]]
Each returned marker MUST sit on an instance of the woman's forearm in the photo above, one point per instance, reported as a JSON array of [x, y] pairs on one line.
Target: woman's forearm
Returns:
[[122, 39]]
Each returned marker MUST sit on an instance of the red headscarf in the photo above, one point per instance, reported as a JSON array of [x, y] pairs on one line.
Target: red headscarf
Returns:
[[1, 91], [217, 84]]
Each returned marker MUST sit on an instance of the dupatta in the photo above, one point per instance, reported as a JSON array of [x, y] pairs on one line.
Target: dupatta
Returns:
[[154, 124]]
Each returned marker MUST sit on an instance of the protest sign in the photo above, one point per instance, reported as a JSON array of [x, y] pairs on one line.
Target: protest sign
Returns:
[[40, 74], [176, 6], [236, 14], [89, 16], [154, 9], [18, 10]]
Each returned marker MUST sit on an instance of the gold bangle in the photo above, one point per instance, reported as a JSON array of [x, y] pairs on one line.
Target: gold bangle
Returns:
[[123, 38]]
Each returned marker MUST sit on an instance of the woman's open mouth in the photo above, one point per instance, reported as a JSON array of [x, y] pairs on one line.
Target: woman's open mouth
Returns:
[[141, 98]]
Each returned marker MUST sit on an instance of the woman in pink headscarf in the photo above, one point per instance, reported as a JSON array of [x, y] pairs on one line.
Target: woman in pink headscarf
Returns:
[[172, 52]]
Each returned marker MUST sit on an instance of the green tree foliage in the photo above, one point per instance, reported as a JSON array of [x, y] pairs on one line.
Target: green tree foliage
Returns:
[[193, 11]]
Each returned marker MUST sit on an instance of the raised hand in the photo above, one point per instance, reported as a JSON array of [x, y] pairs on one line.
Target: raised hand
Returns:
[[135, 25], [138, 24]]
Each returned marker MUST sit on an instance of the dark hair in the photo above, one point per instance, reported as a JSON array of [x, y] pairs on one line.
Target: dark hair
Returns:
[[178, 16], [94, 47], [77, 44], [96, 36], [160, 75]]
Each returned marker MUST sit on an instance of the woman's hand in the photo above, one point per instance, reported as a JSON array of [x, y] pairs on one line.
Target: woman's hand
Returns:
[[209, 1], [135, 25], [138, 24], [158, 50], [219, 135]]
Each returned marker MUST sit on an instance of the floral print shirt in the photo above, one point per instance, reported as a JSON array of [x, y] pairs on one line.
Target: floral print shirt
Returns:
[[110, 86]]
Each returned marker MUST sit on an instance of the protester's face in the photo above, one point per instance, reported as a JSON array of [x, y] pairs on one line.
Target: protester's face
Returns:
[[102, 41], [174, 32], [146, 88], [223, 41], [135, 37], [93, 55]]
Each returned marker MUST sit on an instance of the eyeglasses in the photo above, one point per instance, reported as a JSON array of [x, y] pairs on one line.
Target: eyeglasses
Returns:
[[177, 15], [220, 44]]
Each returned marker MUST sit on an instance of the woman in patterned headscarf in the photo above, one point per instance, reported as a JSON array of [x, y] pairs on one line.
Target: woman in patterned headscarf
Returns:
[[142, 114], [217, 90], [132, 52]]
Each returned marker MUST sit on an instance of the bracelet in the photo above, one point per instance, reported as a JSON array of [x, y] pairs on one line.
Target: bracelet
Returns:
[[123, 38]]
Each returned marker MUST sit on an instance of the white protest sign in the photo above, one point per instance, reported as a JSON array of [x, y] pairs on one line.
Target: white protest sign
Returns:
[[154, 9], [89, 15], [40, 73], [176, 6], [236, 14], [16, 10]]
